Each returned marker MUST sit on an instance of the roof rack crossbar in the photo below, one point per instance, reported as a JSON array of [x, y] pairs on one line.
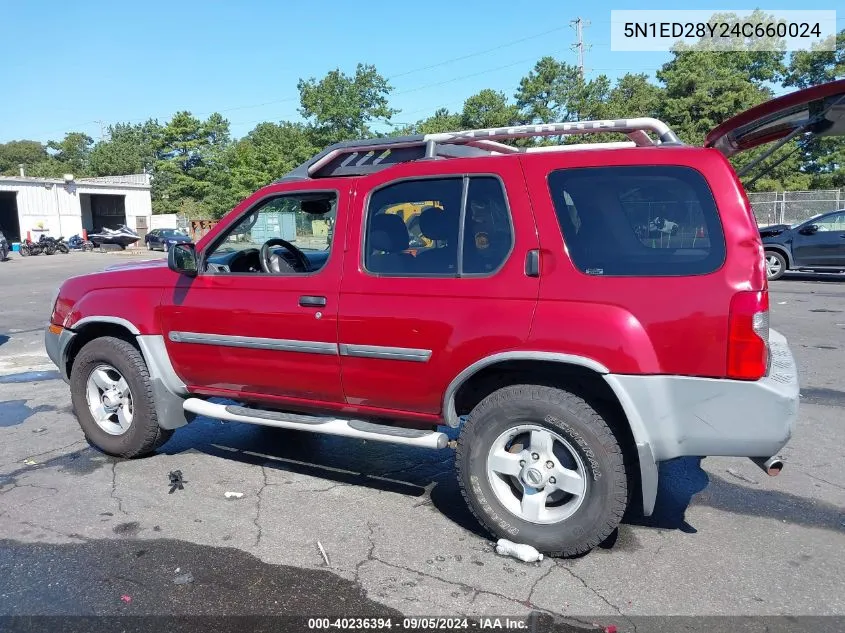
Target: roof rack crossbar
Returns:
[[637, 126]]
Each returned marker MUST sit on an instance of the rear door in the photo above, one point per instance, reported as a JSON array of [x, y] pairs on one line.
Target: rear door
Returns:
[[819, 110], [413, 316]]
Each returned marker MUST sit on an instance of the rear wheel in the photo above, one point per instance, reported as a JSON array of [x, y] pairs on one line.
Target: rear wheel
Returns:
[[538, 465], [113, 398], [775, 265], [63, 248]]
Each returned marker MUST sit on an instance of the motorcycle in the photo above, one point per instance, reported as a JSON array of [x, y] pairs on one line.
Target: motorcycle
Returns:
[[76, 243], [54, 245], [28, 247]]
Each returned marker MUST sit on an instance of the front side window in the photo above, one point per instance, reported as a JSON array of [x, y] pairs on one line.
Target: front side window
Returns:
[[427, 228], [638, 221], [288, 234], [835, 222]]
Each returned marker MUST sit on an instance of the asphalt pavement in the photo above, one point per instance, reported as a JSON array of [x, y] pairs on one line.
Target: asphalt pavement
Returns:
[[84, 534]]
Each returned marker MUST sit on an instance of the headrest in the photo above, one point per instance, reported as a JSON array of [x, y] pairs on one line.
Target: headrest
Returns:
[[388, 233], [438, 224]]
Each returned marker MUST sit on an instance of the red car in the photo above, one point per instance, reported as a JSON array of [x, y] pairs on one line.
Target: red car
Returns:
[[574, 340]]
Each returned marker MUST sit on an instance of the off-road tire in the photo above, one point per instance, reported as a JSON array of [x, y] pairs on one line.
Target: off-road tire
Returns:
[[144, 435], [585, 430]]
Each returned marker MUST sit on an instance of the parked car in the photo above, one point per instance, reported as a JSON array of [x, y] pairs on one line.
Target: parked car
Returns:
[[4, 247], [163, 239], [570, 355], [816, 245]]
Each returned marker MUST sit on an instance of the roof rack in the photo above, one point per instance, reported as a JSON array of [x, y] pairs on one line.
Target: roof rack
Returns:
[[357, 158]]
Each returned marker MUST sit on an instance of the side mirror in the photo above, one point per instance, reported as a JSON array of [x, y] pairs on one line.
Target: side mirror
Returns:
[[810, 229], [182, 258]]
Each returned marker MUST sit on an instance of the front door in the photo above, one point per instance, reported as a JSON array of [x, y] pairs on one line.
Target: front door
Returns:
[[821, 242], [434, 280], [264, 330]]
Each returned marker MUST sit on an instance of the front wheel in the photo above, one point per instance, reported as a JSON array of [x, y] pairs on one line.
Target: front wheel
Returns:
[[538, 465], [24, 251], [113, 398], [775, 265]]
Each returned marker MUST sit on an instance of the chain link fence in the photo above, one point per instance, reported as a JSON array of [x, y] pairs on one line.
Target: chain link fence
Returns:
[[793, 207]]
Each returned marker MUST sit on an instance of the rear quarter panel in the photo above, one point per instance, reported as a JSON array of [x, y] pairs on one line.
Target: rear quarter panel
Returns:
[[643, 325]]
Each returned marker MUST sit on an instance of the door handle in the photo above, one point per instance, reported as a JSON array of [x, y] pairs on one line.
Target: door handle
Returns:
[[307, 301], [532, 263]]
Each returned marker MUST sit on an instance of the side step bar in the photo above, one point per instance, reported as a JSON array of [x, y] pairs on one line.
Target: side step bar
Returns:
[[330, 426]]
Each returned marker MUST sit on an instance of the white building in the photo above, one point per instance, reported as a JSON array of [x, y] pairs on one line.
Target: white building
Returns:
[[64, 207]]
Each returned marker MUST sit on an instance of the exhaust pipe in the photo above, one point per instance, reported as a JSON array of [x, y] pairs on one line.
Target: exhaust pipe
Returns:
[[771, 466]]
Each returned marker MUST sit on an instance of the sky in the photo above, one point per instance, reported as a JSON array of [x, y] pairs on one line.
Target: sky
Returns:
[[79, 66]]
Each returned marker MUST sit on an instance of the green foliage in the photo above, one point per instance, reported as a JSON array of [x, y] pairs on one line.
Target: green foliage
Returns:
[[15, 153], [200, 171], [130, 149], [340, 107]]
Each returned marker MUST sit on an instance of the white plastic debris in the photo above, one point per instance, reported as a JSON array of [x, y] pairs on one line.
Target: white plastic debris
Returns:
[[523, 552], [184, 579], [233, 495], [323, 552]]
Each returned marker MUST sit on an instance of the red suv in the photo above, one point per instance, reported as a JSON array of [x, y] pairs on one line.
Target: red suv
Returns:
[[581, 312]]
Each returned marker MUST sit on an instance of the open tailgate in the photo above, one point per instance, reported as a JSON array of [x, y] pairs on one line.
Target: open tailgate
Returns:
[[819, 110]]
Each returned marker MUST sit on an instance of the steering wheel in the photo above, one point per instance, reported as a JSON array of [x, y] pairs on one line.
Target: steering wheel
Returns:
[[275, 265]]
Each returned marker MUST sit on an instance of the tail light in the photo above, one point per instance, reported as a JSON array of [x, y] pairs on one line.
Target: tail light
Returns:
[[748, 335]]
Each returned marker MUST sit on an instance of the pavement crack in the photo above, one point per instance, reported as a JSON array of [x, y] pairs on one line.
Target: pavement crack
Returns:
[[370, 553], [114, 494], [76, 537], [829, 483], [537, 582], [55, 450], [598, 595], [467, 588], [256, 520]]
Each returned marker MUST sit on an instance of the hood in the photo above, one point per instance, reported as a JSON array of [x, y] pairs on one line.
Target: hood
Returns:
[[774, 229], [138, 265]]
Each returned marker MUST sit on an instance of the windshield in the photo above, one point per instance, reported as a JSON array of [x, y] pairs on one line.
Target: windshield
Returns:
[[172, 233]]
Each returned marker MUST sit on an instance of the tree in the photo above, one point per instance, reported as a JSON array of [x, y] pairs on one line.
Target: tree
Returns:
[[825, 157], [129, 149], [24, 152], [489, 108], [441, 121], [634, 96], [190, 160], [340, 107], [268, 152], [73, 152]]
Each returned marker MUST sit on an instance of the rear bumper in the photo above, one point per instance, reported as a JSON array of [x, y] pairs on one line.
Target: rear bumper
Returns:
[[685, 416]]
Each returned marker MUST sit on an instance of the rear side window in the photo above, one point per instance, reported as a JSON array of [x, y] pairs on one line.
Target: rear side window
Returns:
[[638, 221], [453, 227]]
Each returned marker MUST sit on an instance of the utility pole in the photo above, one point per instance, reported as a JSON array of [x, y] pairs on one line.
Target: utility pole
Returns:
[[103, 132], [579, 44]]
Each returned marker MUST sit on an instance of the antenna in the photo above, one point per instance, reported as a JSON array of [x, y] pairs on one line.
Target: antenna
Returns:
[[579, 46]]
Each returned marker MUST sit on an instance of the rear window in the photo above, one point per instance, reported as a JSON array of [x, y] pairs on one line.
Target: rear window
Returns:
[[638, 221]]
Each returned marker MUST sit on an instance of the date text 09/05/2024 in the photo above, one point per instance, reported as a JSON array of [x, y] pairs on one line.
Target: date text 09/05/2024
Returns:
[[419, 623]]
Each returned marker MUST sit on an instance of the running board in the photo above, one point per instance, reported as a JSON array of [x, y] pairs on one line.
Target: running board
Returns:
[[329, 426]]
